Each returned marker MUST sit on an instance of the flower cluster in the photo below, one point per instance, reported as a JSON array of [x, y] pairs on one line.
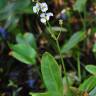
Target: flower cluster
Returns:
[[43, 7]]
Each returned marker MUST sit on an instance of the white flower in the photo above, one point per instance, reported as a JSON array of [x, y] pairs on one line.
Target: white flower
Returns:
[[42, 14], [36, 8], [45, 17], [44, 7], [48, 15], [40, 6], [43, 20]]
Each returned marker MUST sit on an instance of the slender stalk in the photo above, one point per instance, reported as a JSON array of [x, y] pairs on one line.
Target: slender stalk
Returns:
[[78, 66], [63, 65], [84, 28], [61, 57], [50, 31], [59, 32]]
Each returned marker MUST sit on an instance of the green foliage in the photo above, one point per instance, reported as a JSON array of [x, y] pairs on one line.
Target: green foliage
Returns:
[[6, 12], [23, 52], [27, 38], [73, 41], [80, 5], [2, 3], [88, 84], [13, 8], [16, 17], [91, 69], [38, 94], [21, 4], [93, 92], [51, 75]]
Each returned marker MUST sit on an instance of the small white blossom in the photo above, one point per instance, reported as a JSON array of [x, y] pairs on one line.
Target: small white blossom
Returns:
[[44, 7], [36, 8], [45, 17], [43, 20]]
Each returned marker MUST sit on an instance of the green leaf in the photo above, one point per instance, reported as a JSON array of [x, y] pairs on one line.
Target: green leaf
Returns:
[[6, 12], [14, 7], [27, 38], [11, 22], [23, 53], [73, 41], [21, 4], [27, 10], [51, 75], [69, 93], [93, 92], [88, 84], [79, 5], [39, 94], [91, 69], [20, 38], [2, 3]]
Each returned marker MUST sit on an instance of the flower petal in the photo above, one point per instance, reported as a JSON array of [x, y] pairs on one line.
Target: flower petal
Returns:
[[49, 14], [35, 9], [43, 20], [43, 15], [44, 7], [47, 17], [37, 5]]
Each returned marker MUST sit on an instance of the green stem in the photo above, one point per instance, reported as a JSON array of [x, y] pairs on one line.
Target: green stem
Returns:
[[61, 57], [62, 61], [50, 31], [78, 66], [59, 32]]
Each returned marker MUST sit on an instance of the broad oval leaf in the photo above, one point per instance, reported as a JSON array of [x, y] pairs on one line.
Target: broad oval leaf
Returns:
[[91, 69], [51, 75], [73, 41], [88, 84], [20, 38], [27, 38], [23, 53]]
